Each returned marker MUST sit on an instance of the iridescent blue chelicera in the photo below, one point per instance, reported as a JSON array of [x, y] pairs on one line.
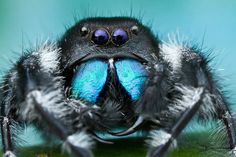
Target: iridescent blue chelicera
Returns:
[[89, 80], [91, 76], [132, 76]]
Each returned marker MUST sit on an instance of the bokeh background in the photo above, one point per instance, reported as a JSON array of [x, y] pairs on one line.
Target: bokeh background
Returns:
[[209, 23]]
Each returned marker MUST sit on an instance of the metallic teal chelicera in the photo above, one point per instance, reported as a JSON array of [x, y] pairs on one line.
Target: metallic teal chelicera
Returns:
[[132, 76], [91, 76], [89, 80]]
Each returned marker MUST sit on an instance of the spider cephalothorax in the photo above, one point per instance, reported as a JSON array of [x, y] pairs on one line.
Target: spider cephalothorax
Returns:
[[107, 73]]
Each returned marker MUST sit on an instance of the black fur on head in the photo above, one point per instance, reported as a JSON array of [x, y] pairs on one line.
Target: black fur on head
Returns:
[[76, 43]]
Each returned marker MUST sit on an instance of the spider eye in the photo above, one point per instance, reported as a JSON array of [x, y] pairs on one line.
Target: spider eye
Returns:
[[119, 37], [134, 29], [100, 37], [84, 31]]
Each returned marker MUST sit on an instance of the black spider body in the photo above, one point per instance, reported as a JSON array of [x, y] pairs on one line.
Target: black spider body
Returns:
[[107, 73]]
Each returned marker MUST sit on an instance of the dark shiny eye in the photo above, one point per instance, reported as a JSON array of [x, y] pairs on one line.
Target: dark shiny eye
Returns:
[[119, 37], [100, 37]]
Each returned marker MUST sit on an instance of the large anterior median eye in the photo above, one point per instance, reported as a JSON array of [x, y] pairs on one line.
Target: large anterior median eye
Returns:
[[132, 76], [89, 79], [119, 37], [100, 37]]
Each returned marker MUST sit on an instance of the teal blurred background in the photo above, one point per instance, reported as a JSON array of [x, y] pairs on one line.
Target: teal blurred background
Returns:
[[211, 22]]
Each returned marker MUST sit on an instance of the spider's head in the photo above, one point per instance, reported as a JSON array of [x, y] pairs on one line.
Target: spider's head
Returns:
[[103, 58], [108, 36]]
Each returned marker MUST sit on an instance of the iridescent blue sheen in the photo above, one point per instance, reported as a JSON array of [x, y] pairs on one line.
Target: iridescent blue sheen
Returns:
[[132, 76], [89, 80]]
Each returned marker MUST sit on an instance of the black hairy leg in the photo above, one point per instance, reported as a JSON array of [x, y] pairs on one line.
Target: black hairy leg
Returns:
[[168, 108], [6, 137], [217, 105], [58, 128], [193, 70], [162, 139], [226, 116], [41, 100]]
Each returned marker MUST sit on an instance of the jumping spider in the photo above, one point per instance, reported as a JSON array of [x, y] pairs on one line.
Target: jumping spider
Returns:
[[107, 73]]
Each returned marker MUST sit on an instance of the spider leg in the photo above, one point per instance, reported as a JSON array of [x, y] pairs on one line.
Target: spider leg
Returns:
[[6, 137], [47, 102], [214, 103], [225, 115], [59, 129], [186, 108], [161, 139], [33, 91]]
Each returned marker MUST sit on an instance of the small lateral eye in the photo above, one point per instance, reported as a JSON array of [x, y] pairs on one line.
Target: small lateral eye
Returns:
[[100, 37], [84, 31], [134, 29], [120, 36]]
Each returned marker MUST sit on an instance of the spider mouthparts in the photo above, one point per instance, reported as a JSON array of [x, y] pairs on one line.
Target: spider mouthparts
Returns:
[[99, 139], [132, 129]]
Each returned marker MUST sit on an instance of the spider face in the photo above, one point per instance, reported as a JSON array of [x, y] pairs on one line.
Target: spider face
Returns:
[[105, 59]]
